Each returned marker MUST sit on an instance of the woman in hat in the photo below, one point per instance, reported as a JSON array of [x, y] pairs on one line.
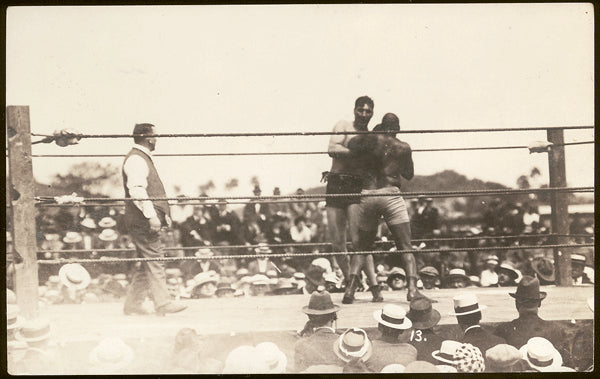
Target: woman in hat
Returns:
[[508, 275], [205, 285], [488, 276], [318, 332]]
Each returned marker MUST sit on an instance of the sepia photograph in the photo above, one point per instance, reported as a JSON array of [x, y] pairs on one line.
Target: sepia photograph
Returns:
[[272, 189]]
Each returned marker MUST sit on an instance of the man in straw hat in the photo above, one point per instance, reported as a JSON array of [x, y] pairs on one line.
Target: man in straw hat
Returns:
[[74, 279], [541, 355], [382, 160], [110, 356], [391, 323], [424, 318], [318, 333], [355, 349], [468, 313], [144, 219], [528, 300]]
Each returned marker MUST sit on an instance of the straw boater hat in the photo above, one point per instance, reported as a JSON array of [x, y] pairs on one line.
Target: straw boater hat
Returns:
[[108, 235], [72, 237], [241, 272], [258, 280], [74, 275], [353, 344], [13, 320], [508, 267], [392, 316], [274, 358], [271, 274], [446, 352], [107, 222], [465, 304], [205, 277], [544, 269], [578, 258], [541, 354], [323, 263], [456, 274], [35, 330], [169, 272], [422, 314], [88, 222], [528, 289], [263, 248], [243, 360], [492, 259], [320, 303], [110, 355]]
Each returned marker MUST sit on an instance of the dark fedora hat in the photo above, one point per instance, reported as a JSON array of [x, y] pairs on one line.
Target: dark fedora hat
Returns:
[[422, 314], [529, 289], [544, 269], [320, 303]]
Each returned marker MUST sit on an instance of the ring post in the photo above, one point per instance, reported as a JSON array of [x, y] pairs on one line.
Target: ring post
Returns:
[[559, 203], [23, 209]]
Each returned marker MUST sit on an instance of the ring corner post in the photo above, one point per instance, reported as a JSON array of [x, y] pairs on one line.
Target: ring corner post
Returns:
[[559, 203], [20, 171]]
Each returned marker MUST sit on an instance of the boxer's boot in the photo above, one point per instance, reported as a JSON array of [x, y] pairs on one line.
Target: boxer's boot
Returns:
[[350, 289], [413, 292], [376, 291]]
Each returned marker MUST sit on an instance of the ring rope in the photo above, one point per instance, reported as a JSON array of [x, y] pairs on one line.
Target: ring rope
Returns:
[[310, 244], [265, 134], [291, 153], [299, 255]]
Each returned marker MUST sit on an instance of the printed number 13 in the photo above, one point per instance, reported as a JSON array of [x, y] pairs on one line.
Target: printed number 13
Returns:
[[416, 335]]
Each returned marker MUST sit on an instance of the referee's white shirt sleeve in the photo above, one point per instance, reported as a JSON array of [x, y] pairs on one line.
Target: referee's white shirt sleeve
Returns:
[[136, 170]]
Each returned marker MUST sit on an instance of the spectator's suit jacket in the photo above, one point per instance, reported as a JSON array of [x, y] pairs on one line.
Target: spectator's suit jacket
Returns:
[[316, 349]]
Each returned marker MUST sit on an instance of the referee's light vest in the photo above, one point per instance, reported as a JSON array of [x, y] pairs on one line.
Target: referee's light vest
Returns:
[[155, 187]]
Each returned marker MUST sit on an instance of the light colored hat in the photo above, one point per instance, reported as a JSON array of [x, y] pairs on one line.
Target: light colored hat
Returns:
[[122, 276], [541, 354], [108, 235], [420, 367], [90, 298], [353, 344], [396, 271], [259, 279], [53, 279], [468, 358], [205, 277], [465, 304], [271, 274], [393, 368], [13, 320], [169, 272], [111, 355], [34, 330], [331, 277], [242, 360], [88, 222], [446, 352], [204, 252], [72, 237], [107, 222], [492, 259], [241, 272], [393, 316], [263, 248], [323, 263], [510, 268], [578, 258], [299, 276], [274, 358], [502, 356], [590, 303], [74, 275], [446, 368], [457, 273], [51, 237]]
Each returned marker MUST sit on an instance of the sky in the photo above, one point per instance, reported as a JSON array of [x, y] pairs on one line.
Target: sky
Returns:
[[204, 69]]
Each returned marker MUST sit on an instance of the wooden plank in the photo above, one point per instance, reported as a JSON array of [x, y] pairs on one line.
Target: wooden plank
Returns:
[[559, 202], [23, 210]]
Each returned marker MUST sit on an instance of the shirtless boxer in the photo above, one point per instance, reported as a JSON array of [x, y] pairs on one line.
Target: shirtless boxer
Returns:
[[341, 179], [383, 160]]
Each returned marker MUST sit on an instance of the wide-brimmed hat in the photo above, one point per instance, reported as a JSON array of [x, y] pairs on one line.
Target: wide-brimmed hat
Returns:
[[422, 314], [331, 277], [243, 360], [74, 275], [528, 289], [323, 263], [108, 235], [353, 344], [241, 272], [465, 304], [259, 279], [541, 354], [205, 277], [420, 367], [13, 320], [284, 284], [271, 274], [274, 358], [263, 248], [88, 222], [320, 303], [34, 330], [446, 352], [492, 258], [468, 358], [508, 267], [544, 269], [110, 355], [501, 356], [107, 222], [72, 237], [393, 316]]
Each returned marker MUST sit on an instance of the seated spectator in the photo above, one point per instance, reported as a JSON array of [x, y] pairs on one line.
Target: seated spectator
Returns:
[[198, 229], [396, 279], [504, 358], [285, 286], [541, 355], [430, 277], [261, 265], [299, 208], [456, 278], [382, 279], [392, 323], [244, 360], [319, 334], [259, 285], [354, 348], [333, 283], [74, 279], [299, 232], [508, 275], [424, 318], [224, 289], [256, 212], [315, 277], [228, 226], [543, 269], [579, 272], [468, 314], [528, 299], [205, 285], [489, 276], [190, 354]]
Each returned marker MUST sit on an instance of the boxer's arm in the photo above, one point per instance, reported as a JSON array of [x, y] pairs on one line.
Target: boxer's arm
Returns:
[[407, 167], [336, 142], [362, 143]]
